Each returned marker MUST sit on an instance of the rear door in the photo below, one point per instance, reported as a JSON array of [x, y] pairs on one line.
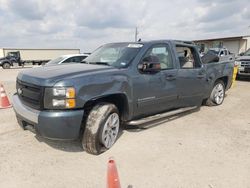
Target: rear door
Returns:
[[191, 77]]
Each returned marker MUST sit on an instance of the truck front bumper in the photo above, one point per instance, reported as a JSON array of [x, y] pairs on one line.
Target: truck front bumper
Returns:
[[58, 125]]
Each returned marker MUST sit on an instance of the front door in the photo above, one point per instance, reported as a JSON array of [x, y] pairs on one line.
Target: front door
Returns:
[[156, 92]]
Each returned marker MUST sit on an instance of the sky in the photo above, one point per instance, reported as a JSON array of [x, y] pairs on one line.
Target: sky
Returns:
[[87, 24]]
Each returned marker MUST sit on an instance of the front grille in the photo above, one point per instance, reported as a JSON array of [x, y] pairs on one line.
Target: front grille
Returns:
[[245, 64], [246, 70], [31, 95]]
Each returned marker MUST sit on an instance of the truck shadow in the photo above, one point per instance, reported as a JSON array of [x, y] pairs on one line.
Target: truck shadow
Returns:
[[76, 146], [152, 124], [67, 146]]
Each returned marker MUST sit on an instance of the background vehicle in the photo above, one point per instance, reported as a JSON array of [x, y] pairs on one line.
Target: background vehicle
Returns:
[[11, 56], [243, 63], [120, 82], [223, 53], [71, 58]]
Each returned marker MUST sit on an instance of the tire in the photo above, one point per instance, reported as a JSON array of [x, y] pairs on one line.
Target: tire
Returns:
[[217, 95], [98, 136], [6, 66]]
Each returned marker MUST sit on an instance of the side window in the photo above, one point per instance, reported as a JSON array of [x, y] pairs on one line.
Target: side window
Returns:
[[76, 59], [187, 57], [225, 52], [163, 54], [69, 60], [81, 58]]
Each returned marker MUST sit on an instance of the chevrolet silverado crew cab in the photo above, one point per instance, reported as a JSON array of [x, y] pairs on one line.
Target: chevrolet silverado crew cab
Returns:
[[130, 83]]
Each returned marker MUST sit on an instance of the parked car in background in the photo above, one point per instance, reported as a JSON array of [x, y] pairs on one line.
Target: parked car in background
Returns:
[[243, 63], [223, 53], [71, 58], [130, 83]]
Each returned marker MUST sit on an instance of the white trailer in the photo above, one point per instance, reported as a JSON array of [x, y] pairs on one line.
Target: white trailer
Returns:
[[34, 56]]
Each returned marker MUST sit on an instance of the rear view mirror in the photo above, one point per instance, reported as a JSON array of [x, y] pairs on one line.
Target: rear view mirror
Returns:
[[210, 57], [150, 64]]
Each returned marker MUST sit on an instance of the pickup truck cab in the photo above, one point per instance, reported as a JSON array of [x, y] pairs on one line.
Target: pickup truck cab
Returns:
[[11, 59], [129, 83]]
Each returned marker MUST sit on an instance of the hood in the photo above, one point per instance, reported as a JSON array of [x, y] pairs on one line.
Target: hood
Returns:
[[49, 75], [2, 58]]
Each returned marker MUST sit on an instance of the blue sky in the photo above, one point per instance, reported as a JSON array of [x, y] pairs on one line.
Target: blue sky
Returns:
[[86, 24]]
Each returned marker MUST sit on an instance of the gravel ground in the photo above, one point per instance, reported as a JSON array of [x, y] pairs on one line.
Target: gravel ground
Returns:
[[207, 148]]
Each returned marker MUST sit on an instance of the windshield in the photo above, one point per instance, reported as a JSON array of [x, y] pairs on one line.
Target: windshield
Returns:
[[55, 61], [247, 53], [117, 55], [214, 51], [11, 54]]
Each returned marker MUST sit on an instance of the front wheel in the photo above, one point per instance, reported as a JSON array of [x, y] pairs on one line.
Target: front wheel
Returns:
[[217, 95], [6, 66], [102, 128]]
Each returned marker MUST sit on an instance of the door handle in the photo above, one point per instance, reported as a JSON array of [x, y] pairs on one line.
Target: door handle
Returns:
[[170, 77]]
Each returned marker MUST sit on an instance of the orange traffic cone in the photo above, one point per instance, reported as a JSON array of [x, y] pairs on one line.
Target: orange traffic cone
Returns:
[[112, 178], [4, 101]]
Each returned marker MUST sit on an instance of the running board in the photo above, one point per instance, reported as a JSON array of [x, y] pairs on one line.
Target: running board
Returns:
[[159, 116]]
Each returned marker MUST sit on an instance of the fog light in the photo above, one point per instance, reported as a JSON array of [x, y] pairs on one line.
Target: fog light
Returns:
[[58, 102]]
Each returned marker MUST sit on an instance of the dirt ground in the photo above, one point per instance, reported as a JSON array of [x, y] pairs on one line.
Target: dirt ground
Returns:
[[206, 148]]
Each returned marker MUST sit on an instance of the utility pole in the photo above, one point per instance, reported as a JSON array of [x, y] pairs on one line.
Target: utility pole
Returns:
[[136, 33]]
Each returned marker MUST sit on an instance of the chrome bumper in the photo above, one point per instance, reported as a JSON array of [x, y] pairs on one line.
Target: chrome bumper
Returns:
[[25, 111]]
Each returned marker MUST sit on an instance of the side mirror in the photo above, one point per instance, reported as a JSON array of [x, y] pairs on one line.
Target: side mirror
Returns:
[[241, 54], [150, 64], [210, 57]]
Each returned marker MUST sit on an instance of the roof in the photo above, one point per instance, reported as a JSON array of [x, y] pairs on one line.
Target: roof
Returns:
[[223, 38], [155, 41]]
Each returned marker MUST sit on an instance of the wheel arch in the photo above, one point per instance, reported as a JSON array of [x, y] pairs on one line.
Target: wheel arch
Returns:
[[224, 79], [120, 100], [8, 62]]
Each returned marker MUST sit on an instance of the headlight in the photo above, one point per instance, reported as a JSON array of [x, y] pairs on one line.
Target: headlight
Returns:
[[237, 63], [59, 98]]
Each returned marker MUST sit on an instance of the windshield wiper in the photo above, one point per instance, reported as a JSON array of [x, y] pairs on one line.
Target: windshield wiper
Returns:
[[100, 63]]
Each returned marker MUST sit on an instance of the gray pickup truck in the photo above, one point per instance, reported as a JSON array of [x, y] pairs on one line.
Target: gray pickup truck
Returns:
[[243, 63], [120, 83]]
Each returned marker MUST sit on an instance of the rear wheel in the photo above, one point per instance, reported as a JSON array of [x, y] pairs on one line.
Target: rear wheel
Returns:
[[102, 128], [6, 66], [217, 95]]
